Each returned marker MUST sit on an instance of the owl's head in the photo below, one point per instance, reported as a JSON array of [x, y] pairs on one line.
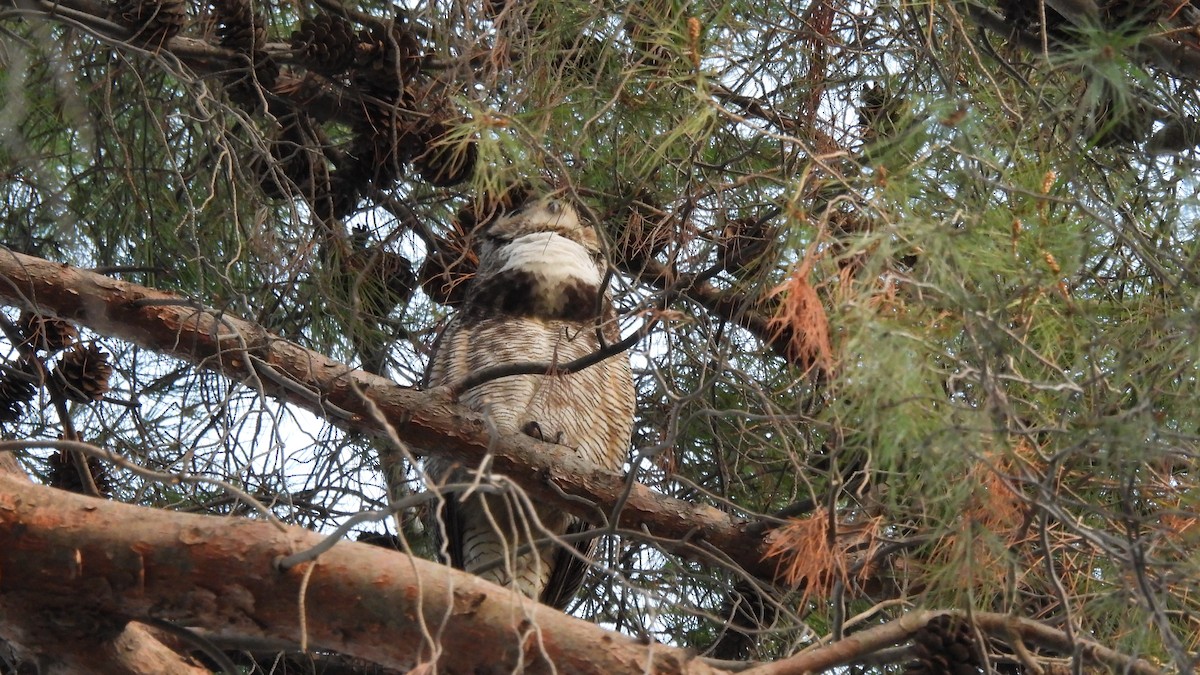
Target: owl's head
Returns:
[[547, 214], [541, 261]]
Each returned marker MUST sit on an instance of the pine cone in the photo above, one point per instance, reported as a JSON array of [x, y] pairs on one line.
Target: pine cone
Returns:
[[382, 146], [15, 393], [47, 333], [445, 162], [743, 242], [381, 280], [297, 165], [388, 58], [345, 189], [83, 373], [945, 646], [65, 476], [326, 43], [644, 231], [153, 22], [241, 29]]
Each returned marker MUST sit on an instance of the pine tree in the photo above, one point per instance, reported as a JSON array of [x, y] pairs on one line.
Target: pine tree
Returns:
[[910, 291]]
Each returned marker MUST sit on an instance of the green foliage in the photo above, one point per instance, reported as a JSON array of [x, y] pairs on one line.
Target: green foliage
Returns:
[[1007, 276]]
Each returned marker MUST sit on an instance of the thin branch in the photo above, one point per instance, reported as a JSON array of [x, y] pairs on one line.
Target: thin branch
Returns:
[[535, 368], [857, 647]]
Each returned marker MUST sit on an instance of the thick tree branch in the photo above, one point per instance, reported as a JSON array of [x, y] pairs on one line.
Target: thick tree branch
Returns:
[[427, 420], [131, 649], [68, 556]]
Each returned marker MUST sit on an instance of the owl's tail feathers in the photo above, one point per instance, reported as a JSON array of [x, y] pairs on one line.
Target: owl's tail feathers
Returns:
[[553, 574], [570, 567]]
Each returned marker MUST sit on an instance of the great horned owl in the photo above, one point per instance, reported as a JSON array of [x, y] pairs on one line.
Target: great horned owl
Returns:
[[536, 298]]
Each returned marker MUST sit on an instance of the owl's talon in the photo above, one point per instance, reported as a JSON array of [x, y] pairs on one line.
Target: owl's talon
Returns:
[[534, 430]]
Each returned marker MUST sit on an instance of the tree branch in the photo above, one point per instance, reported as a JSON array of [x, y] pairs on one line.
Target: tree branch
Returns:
[[133, 649], [856, 647], [429, 421], [67, 556]]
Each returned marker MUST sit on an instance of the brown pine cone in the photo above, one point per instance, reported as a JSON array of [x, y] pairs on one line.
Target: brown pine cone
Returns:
[[15, 393], [743, 242], [383, 144], [945, 646], [65, 476], [326, 44], [47, 333], [345, 189], [241, 29], [153, 22], [445, 162], [388, 58], [380, 279], [448, 268], [83, 373], [643, 231]]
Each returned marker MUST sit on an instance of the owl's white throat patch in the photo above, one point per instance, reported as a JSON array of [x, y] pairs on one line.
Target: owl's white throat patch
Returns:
[[551, 258]]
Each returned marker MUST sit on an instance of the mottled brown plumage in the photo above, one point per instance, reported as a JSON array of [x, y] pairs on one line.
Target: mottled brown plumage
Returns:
[[537, 297]]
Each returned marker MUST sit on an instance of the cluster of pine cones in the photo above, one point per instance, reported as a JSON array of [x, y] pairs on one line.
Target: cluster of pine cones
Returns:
[[369, 79], [81, 371]]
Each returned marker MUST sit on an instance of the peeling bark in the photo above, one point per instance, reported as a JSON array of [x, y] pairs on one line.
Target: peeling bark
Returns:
[[66, 556]]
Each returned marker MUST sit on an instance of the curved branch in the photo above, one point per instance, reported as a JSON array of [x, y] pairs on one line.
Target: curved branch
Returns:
[[534, 368], [246, 352]]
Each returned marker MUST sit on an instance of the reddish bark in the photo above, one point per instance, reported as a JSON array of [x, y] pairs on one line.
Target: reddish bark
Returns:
[[69, 640], [69, 557]]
